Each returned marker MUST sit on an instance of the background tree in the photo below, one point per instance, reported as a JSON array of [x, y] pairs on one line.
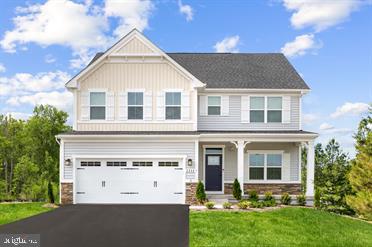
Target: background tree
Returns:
[[360, 175], [26, 176]]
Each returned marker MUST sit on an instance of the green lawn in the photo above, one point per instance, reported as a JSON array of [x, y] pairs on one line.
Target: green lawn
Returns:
[[16, 211], [283, 227]]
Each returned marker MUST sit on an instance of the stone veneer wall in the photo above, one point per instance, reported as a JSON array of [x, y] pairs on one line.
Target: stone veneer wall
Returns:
[[191, 193], [276, 189], [66, 193]]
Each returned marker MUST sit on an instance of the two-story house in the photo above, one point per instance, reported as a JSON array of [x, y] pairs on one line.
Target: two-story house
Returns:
[[148, 125]]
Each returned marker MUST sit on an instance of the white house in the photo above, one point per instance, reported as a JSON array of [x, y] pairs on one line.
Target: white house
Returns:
[[148, 125]]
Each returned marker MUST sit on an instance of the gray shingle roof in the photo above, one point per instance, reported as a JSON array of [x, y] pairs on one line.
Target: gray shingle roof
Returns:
[[239, 70]]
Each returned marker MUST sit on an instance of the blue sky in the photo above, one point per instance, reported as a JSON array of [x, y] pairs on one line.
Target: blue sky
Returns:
[[44, 43]]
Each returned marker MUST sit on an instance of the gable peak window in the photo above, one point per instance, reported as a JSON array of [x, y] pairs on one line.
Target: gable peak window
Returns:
[[172, 105], [214, 105], [97, 105], [135, 105]]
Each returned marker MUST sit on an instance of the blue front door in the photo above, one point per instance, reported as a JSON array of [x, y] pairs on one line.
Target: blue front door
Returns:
[[213, 169]]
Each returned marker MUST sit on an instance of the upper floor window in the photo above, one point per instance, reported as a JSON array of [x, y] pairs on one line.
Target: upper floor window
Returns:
[[274, 109], [214, 105], [257, 111], [135, 105], [97, 105], [172, 105], [269, 111]]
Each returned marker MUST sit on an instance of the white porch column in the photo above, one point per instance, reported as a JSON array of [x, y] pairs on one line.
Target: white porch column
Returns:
[[240, 147], [310, 173]]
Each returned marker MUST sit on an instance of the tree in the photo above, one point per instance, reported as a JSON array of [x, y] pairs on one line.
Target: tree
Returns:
[[46, 122], [332, 166], [360, 175], [26, 176], [237, 192], [303, 169]]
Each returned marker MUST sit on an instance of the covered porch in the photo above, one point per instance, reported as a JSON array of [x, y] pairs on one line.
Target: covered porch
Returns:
[[260, 161]]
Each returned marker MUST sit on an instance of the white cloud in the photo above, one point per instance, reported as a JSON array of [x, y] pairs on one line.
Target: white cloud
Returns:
[[81, 26], [228, 44], [326, 126], [320, 14], [309, 118], [61, 100], [2, 68], [131, 14], [21, 83], [301, 45], [350, 109], [338, 131], [186, 10], [49, 58], [19, 115]]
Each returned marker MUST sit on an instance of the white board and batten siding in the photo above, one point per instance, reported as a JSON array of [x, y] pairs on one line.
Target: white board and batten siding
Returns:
[[107, 149], [238, 116]]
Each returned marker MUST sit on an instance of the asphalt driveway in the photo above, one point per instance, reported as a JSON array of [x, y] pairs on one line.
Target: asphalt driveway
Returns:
[[108, 225]]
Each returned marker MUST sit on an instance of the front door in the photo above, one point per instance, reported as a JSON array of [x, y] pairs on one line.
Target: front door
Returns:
[[213, 169]]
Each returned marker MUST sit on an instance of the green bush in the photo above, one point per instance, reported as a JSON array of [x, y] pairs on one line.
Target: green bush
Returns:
[[200, 193], [243, 204], [257, 204], [227, 205], [268, 196], [209, 205], [285, 199], [237, 192], [317, 198], [253, 196], [301, 200], [269, 200]]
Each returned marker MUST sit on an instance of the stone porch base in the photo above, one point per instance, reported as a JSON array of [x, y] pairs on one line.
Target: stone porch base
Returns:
[[66, 193], [276, 189]]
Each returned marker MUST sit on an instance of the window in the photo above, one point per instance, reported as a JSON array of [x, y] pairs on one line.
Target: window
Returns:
[[135, 105], [274, 166], [142, 163], [168, 163], [257, 111], [274, 109], [270, 162], [214, 105], [116, 163], [256, 166], [172, 105], [97, 105], [90, 163]]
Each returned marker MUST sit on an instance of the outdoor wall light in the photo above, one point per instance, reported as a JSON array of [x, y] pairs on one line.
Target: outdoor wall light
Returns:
[[189, 162], [68, 162]]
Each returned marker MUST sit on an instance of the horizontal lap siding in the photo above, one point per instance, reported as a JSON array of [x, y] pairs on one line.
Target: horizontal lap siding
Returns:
[[233, 121], [127, 148]]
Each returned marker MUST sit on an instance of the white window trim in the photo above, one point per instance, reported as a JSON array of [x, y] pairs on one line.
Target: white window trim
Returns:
[[265, 153], [143, 96], [165, 104], [208, 105], [265, 109], [223, 167], [98, 91]]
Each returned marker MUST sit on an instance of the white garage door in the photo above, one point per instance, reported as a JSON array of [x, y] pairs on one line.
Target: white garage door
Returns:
[[130, 181]]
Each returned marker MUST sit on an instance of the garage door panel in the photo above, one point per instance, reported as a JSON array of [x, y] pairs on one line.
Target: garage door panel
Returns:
[[127, 184]]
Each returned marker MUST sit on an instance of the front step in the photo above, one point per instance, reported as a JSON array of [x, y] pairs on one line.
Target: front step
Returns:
[[219, 198]]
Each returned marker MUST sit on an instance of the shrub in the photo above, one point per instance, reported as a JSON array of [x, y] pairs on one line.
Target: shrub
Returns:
[[285, 199], [209, 205], [227, 205], [317, 198], [253, 196], [301, 200], [268, 196], [269, 200], [200, 193], [237, 192], [257, 204], [243, 204]]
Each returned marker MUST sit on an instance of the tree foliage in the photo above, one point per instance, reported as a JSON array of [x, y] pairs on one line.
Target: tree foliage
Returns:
[[237, 192], [200, 192], [27, 147], [360, 175]]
